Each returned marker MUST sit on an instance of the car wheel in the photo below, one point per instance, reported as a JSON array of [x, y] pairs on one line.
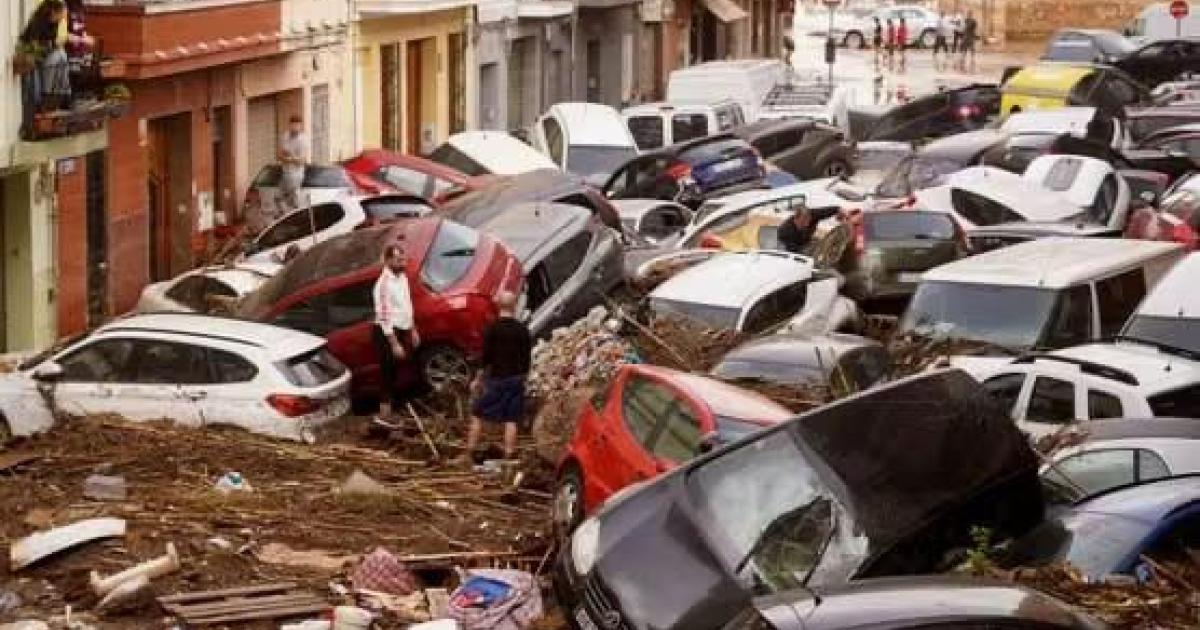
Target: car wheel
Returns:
[[854, 40], [835, 168], [928, 38], [567, 509], [445, 368]]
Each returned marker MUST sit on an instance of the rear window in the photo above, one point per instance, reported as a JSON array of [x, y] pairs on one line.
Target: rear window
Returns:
[[450, 255], [907, 225], [457, 160], [713, 150], [688, 127], [1181, 403], [312, 369], [980, 210], [1071, 50], [647, 131]]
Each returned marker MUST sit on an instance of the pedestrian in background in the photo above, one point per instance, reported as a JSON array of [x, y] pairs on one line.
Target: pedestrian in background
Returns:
[[941, 42], [499, 386], [956, 22], [44, 39], [293, 158], [877, 41], [969, 41], [891, 43], [395, 334], [902, 42]]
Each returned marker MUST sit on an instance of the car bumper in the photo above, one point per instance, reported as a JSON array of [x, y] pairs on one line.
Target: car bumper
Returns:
[[862, 285]]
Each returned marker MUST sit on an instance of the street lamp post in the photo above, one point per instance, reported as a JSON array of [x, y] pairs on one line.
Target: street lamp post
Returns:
[[830, 44]]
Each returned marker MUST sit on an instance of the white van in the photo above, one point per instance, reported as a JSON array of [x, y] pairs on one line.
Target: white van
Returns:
[[746, 81], [657, 125], [489, 153], [1044, 294], [585, 139], [1154, 22]]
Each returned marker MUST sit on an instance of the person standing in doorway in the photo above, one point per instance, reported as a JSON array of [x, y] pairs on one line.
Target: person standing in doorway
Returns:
[[293, 157], [969, 41], [395, 333], [877, 41], [890, 34], [902, 42], [499, 386], [941, 43]]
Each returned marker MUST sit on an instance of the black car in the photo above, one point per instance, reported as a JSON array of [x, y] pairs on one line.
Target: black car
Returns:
[[929, 165], [1088, 45], [473, 209], [1162, 61], [847, 363], [807, 149], [886, 482], [943, 113], [690, 172], [908, 603]]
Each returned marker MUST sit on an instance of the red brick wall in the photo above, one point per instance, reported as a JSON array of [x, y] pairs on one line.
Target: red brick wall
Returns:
[[128, 221], [71, 238]]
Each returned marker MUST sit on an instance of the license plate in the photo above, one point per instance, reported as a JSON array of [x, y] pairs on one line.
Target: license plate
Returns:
[[908, 277], [585, 622]]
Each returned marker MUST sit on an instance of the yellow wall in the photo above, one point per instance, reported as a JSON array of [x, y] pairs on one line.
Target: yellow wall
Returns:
[[28, 210], [435, 107]]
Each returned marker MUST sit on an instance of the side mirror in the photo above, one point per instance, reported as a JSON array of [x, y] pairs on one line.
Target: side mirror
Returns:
[[48, 372]]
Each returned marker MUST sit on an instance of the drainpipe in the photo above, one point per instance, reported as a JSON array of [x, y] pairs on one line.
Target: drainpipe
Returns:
[[355, 88]]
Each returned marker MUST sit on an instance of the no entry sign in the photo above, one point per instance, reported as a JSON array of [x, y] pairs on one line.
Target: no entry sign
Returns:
[[1179, 9]]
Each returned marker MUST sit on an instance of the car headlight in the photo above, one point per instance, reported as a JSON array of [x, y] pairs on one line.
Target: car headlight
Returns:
[[584, 544]]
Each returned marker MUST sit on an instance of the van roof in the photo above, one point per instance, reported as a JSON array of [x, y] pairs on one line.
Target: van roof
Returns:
[[1054, 262], [728, 66], [1175, 294], [592, 124], [676, 107]]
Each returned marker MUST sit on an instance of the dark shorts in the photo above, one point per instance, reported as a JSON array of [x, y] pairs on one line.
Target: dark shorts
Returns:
[[940, 45], [502, 400], [967, 44]]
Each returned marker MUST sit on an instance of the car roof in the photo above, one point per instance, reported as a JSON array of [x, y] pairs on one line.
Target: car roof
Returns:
[[532, 230], [1072, 120], [1175, 295], [243, 277], [591, 124], [1049, 75], [1134, 428], [722, 398], [799, 349], [542, 184], [766, 125], [813, 189], [1054, 262], [383, 157], [1148, 502], [1154, 370], [264, 338], [734, 279], [1038, 229], [1034, 201], [662, 107], [963, 145], [503, 147]]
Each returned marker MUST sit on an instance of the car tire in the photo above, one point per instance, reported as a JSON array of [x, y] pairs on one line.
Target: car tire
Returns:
[[567, 507], [836, 167], [444, 368], [928, 38], [854, 39]]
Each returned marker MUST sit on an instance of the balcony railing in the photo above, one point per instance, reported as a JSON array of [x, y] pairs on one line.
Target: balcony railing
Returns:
[[49, 113]]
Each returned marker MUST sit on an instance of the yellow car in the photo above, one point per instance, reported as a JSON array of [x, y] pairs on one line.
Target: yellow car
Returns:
[[1051, 85]]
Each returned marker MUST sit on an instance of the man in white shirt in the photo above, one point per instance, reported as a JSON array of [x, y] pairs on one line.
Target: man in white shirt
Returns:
[[395, 333], [293, 156]]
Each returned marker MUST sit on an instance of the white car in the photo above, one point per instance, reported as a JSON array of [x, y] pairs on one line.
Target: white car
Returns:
[[657, 125], [199, 290], [1122, 452], [264, 200], [1046, 391], [1170, 314], [922, 23], [654, 220], [192, 369], [300, 229], [489, 153], [721, 213], [585, 139], [756, 292], [1072, 120]]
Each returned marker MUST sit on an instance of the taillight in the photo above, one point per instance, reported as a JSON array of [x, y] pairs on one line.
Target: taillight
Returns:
[[961, 236], [968, 111], [1182, 233], [710, 241], [679, 170], [293, 406], [860, 239]]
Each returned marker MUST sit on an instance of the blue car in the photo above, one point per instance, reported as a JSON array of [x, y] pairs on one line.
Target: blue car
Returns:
[[690, 172], [1111, 532]]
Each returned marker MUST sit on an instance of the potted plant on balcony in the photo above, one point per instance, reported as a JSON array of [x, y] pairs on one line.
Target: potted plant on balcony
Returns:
[[118, 98]]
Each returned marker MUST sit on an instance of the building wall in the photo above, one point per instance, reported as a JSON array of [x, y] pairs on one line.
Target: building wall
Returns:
[[615, 33], [71, 248], [546, 85], [1034, 20], [29, 278]]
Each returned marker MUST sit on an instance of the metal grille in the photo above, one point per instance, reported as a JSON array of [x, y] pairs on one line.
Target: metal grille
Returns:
[[599, 606]]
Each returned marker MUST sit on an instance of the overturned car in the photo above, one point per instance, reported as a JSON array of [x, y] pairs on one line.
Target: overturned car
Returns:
[[883, 483]]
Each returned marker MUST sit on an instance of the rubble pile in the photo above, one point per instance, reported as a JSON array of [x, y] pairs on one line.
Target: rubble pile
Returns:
[[683, 344], [232, 509], [584, 354]]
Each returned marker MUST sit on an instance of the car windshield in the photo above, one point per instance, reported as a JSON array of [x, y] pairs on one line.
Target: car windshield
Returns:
[[1073, 49], [721, 317], [1006, 316], [449, 155], [777, 530], [312, 369], [914, 173], [1182, 333], [781, 372], [1094, 543], [450, 256], [1114, 44], [589, 160], [905, 225]]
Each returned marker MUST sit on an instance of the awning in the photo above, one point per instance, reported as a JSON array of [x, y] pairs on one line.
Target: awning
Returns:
[[725, 10]]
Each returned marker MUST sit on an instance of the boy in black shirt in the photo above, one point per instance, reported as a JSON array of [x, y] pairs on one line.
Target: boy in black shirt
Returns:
[[500, 384]]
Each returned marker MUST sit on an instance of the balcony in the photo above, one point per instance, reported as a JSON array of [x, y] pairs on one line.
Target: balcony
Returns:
[[90, 102]]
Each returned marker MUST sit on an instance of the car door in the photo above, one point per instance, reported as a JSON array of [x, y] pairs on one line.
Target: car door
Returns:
[[1054, 401], [227, 397], [679, 434], [566, 276], [1006, 390], [623, 445]]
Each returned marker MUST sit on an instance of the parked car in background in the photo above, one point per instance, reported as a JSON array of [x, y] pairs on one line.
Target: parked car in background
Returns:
[[816, 501], [922, 26], [657, 125], [648, 420], [544, 185], [570, 261], [1045, 392], [747, 82], [300, 229], [193, 369], [755, 292], [689, 173], [264, 204], [656, 221], [585, 139], [378, 171], [1112, 533], [907, 603], [1122, 452], [454, 274], [1088, 46], [489, 153], [1048, 293], [943, 113], [804, 148], [845, 363], [1161, 61], [208, 289], [1053, 85]]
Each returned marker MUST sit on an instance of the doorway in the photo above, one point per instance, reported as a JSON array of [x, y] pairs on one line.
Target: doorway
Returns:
[[169, 179], [222, 160], [593, 71], [420, 109], [319, 122], [97, 239], [389, 82], [489, 97]]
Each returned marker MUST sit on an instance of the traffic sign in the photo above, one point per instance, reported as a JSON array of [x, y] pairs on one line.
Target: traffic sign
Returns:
[[1179, 9]]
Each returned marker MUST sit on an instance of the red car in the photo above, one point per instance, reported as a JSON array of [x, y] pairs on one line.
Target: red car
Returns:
[[1177, 219], [649, 421], [379, 171], [454, 274]]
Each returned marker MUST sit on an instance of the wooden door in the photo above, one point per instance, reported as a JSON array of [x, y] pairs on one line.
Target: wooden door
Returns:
[[158, 180], [414, 83]]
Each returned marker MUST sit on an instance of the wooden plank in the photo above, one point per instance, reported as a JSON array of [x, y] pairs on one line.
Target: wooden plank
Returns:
[[181, 598], [276, 613], [234, 605]]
